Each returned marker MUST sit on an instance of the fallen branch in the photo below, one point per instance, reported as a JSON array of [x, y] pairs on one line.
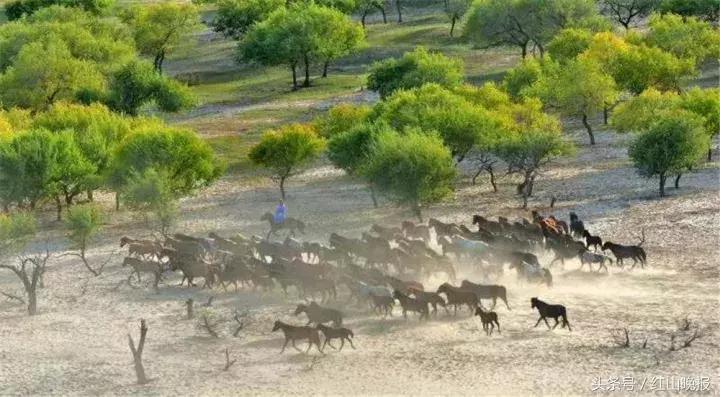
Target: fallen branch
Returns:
[[620, 340], [241, 324]]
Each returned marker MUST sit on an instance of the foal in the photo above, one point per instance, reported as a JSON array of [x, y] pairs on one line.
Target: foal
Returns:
[[552, 311], [293, 333], [595, 241], [488, 319], [344, 334]]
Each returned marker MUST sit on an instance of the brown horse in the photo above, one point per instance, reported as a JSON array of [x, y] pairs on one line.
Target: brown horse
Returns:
[[291, 224], [293, 333]]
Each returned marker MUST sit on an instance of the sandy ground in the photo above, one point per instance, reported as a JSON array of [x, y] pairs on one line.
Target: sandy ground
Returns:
[[77, 344]]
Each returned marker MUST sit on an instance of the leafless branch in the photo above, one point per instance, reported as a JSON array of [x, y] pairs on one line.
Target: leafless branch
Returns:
[[15, 297], [228, 363]]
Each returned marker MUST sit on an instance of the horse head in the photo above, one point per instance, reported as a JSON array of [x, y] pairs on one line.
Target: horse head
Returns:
[[534, 302], [278, 324], [300, 308]]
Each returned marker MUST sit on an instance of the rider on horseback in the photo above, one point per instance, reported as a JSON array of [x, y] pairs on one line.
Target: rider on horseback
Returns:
[[280, 213]]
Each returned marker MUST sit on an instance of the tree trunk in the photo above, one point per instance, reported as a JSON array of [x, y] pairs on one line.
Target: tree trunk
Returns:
[[662, 185], [398, 5], [325, 68], [677, 181], [117, 201], [709, 154], [90, 195], [588, 128], [523, 47], [282, 187], [605, 114], [294, 75], [452, 26], [373, 196], [530, 185], [58, 206], [362, 19], [306, 60], [492, 178], [159, 59], [542, 50], [382, 10], [32, 302], [137, 353]]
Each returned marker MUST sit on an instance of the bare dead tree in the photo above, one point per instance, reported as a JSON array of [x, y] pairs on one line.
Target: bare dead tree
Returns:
[[644, 345], [30, 271], [228, 363], [642, 237], [685, 324], [137, 353], [241, 324], [189, 308], [208, 322], [622, 337], [688, 342]]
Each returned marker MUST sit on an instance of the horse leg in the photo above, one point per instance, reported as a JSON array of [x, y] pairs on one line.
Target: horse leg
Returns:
[[498, 326], [284, 344], [491, 327], [293, 345], [342, 343], [350, 341], [538, 322], [546, 323], [556, 323]]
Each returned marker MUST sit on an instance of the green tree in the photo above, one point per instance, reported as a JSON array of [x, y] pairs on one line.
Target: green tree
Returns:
[[15, 231], [525, 74], [531, 140], [413, 168], [152, 191], [300, 35], [22, 8], [686, 38], [285, 150], [351, 148], [235, 17], [626, 11], [37, 85], [569, 43], [637, 113], [671, 145], [340, 118], [182, 155], [413, 70], [73, 172], [367, 7], [578, 88], [137, 84], [520, 23], [460, 124], [706, 104], [79, 52], [83, 223], [455, 11], [160, 27], [708, 10]]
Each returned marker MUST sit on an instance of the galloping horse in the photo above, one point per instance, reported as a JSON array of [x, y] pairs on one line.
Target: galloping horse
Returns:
[[291, 224]]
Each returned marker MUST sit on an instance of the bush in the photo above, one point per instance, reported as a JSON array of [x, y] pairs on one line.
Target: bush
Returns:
[[341, 118], [152, 191], [83, 222]]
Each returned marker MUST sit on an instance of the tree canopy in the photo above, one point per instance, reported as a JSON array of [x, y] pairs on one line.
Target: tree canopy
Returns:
[[235, 17], [414, 69], [708, 10], [627, 11], [460, 123], [341, 118], [22, 8]]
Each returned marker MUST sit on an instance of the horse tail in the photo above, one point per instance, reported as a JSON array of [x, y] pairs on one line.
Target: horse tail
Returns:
[[565, 320]]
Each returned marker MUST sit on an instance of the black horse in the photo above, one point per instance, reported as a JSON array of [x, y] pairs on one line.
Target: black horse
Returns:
[[595, 241], [577, 227], [553, 311], [634, 252], [487, 292]]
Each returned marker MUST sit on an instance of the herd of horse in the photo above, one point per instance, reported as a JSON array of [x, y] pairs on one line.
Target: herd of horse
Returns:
[[383, 267]]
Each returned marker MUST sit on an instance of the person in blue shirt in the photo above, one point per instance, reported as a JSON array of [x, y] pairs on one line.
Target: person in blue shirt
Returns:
[[280, 213]]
